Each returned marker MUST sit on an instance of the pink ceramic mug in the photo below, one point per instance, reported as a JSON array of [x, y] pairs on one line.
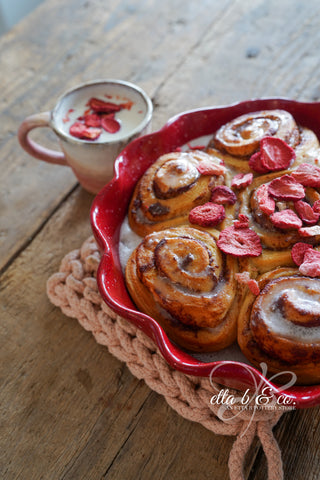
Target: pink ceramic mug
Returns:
[[91, 161]]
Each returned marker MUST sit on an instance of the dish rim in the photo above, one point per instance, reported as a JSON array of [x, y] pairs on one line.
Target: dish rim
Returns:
[[106, 218]]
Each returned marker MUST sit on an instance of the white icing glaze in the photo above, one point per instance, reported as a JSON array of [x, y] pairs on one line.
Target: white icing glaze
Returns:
[[277, 323], [128, 241], [184, 173]]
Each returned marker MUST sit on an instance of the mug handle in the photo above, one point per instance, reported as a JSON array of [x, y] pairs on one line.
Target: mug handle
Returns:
[[33, 148]]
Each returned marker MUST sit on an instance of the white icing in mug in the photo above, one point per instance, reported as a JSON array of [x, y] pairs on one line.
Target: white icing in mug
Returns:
[[91, 161]]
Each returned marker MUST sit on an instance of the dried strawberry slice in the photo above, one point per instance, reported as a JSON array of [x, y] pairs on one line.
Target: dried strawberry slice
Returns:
[[306, 212], [79, 130], [308, 175], [110, 124], [266, 203], [196, 147], [242, 180], [101, 106], [309, 231], [276, 154], [311, 264], [252, 284], [223, 195], [286, 188], [316, 206], [298, 251], [255, 163], [207, 215], [208, 167], [241, 242], [92, 120], [242, 222], [286, 220]]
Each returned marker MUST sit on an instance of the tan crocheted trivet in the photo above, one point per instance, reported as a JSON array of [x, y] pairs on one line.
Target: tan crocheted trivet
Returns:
[[74, 290]]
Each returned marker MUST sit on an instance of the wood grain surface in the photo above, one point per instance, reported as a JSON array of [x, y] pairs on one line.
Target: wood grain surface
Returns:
[[68, 409]]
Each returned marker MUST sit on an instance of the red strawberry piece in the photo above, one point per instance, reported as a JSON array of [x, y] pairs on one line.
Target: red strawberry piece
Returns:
[[276, 154], [92, 120], [127, 105], [316, 206], [286, 220], [266, 203], [298, 251], [308, 175], [306, 212], [255, 163], [208, 167], [286, 188], [241, 242], [223, 195], [242, 222], [252, 284], [207, 215], [196, 147], [110, 124], [242, 180], [79, 130], [311, 264], [309, 231], [101, 106]]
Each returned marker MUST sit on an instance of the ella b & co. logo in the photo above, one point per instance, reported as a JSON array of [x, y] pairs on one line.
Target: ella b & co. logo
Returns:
[[260, 397]]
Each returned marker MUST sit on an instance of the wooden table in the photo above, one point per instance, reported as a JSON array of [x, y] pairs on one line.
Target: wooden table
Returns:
[[69, 410]]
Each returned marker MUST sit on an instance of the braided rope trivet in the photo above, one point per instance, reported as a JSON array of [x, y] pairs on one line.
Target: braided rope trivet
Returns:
[[74, 290]]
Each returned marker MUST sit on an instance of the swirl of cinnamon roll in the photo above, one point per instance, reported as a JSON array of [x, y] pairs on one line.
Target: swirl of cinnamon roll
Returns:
[[281, 326], [169, 189], [179, 277]]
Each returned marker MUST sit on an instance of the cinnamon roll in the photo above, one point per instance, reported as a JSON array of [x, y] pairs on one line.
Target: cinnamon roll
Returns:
[[179, 277], [241, 136], [170, 188], [254, 204], [281, 326], [237, 140]]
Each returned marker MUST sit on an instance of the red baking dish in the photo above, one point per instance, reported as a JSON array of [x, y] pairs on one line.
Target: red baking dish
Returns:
[[109, 210]]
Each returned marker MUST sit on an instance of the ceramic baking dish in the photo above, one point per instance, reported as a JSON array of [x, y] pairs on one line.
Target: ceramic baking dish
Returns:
[[110, 208]]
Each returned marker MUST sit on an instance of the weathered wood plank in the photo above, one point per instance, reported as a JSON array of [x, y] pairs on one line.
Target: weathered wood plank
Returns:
[[68, 409], [164, 445], [61, 392], [299, 439], [254, 50], [95, 40]]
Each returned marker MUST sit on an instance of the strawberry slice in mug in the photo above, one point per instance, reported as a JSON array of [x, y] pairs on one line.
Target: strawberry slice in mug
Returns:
[[110, 124], [100, 106], [79, 130]]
